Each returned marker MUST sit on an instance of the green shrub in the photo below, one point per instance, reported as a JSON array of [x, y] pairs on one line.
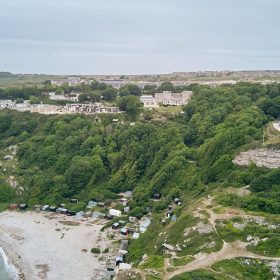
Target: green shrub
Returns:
[[95, 250]]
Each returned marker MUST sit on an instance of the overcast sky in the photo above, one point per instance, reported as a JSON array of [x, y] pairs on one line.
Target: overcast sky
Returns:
[[138, 36]]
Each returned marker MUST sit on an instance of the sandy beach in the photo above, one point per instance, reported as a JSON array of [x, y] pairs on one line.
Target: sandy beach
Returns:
[[42, 246]]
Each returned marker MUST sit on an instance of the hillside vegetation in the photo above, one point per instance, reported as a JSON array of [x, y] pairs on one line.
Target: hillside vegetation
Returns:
[[188, 156]]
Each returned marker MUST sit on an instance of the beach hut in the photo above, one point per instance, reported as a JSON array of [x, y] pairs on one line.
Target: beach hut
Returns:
[[101, 204], [115, 226], [115, 213], [71, 213], [125, 266], [131, 230], [45, 208], [169, 213], [108, 275], [91, 204], [13, 206], [135, 235], [122, 222], [128, 193], [156, 196], [110, 265], [144, 224], [61, 210], [124, 245], [109, 217], [124, 231], [177, 200], [124, 201], [132, 219], [23, 206], [52, 209], [119, 259], [37, 207], [79, 215]]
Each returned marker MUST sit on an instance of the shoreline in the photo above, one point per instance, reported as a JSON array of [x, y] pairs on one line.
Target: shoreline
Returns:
[[12, 261], [45, 246]]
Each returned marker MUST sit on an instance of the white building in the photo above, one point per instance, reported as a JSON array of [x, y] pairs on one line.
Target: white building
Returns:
[[6, 104], [115, 213], [166, 98], [149, 101]]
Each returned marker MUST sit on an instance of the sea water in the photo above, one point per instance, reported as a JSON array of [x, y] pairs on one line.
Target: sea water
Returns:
[[7, 270]]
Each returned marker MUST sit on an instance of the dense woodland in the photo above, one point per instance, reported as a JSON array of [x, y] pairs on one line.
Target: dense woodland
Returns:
[[60, 157]]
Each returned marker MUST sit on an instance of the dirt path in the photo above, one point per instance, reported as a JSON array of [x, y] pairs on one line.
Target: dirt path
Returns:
[[228, 251]]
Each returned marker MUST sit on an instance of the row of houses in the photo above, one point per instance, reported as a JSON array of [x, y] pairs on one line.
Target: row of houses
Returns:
[[77, 108], [91, 108], [166, 98], [62, 97]]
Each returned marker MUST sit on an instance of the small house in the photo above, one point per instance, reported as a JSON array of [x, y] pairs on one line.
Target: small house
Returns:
[[115, 213], [71, 213], [115, 226], [62, 205], [79, 215], [101, 204], [96, 215], [13, 206], [119, 259], [144, 224], [23, 206], [124, 201], [109, 217], [8, 157], [128, 193], [173, 218], [156, 196], [177, 200], [124, 231], [61, 210], [108, 275], [125, 266], [122, 222], [131, 230], [37, 207], [91, 204], [132, 219], [110, 265], [124, 245], [74, 200], [52, 209], [169, 213], [135, 235], [45, 208]]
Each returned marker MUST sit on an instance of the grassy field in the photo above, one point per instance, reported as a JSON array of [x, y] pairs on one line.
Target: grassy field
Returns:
[[169, 109], [266, 232]]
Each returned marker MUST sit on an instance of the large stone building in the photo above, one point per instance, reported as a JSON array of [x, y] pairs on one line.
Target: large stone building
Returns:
[[175, 99], [166, 98], [149, 101]]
